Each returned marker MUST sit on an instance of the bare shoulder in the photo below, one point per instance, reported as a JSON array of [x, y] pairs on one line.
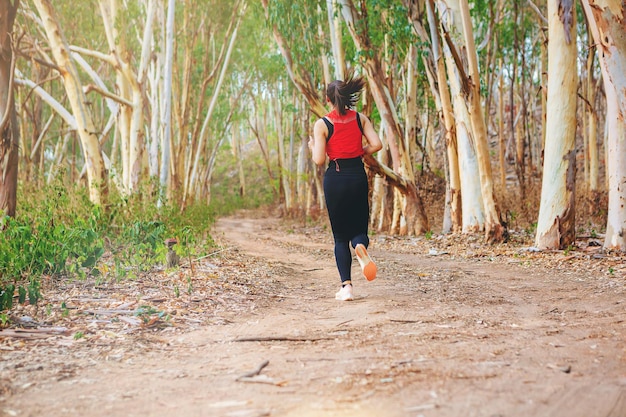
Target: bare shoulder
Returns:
[[320, 126], [364, 119]]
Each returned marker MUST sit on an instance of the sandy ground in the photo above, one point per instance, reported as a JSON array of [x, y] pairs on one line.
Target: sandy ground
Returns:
[[436, 334]]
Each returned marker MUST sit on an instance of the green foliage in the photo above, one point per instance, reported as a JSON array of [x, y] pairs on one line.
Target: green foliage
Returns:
[[65, 237]]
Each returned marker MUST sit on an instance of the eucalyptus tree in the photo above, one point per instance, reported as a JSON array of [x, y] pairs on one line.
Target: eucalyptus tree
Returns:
[[556, 222], [94, 163], [607, 20], [493, 228], [9, 140], [473, 215]]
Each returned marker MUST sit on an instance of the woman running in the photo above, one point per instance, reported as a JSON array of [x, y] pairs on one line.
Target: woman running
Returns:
[[340, 136]]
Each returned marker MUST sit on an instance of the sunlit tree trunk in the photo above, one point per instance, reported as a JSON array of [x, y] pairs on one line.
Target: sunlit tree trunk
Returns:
[[556, 223], [334, 30], [237, 150], [283, 171], [494, 231], [447, 112], [472, 214], [607, 20], [131, 87], [592, 125], [166, 138], [9, 132], [323, 56], [501, 137], [94, 161]]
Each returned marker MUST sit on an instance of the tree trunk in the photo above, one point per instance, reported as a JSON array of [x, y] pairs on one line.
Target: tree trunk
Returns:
[[556, 223], [9, 132], [472, 213], [453, 198], [164, 171], [607, 20], [334, 29], [96, 175], [494, 232], [592, 125]]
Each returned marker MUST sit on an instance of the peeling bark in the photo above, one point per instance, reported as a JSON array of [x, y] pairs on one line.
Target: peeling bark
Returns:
[[9, 133], [555, 226], [94, 162], [607, 23]]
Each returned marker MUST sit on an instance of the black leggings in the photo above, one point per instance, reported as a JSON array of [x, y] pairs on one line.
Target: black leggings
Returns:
[[346, 193]]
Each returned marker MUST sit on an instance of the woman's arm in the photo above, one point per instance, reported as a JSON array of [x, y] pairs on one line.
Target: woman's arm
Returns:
[[373, 141], [317, 144]]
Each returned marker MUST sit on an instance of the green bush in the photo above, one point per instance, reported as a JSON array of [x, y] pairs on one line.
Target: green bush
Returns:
[[66, 237]]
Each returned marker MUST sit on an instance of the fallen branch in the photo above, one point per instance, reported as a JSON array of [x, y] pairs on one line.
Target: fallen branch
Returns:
[[31, 334], [278, 339], [405, 321]]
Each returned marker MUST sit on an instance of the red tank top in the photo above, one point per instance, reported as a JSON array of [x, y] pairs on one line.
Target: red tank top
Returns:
[[346, 140]]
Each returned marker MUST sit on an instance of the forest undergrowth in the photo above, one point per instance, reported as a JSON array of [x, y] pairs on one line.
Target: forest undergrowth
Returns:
[[58, 238]]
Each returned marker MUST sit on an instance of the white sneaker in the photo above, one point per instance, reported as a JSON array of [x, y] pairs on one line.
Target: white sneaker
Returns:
[[345, 293], [367, 265]]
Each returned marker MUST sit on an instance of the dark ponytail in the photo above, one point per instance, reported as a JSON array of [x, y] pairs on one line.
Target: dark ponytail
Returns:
[[345, 94]]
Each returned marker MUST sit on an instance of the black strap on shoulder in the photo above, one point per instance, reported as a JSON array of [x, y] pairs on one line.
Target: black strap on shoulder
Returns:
[[358, 121], [330, 128]]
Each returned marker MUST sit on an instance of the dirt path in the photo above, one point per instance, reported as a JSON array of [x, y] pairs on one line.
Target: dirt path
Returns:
[[431, 336]]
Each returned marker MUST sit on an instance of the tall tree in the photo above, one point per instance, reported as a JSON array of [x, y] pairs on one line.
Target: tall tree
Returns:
[[94, 162], [472, 210], [493, 229], [9, 141], [607, 21], [556, 223]]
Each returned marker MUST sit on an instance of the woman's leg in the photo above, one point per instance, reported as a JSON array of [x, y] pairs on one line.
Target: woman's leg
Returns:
[[362, 239], [343, 257]]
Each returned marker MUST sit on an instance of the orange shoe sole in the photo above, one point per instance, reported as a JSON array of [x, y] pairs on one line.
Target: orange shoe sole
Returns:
[[367, 265]]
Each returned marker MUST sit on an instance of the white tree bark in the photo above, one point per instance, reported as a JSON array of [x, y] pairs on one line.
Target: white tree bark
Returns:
[[334, 30], [556, 226], [94, 162], [131, 87], [167, 113], [472, 213], [453, 198], [493, 229], [607, 21]]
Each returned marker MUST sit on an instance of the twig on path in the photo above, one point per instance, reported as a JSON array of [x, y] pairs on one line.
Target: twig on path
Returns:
[[32, 334], [255, 372], [204, 257], [344, 322], [255, 376], [278, 339], [405, 321]]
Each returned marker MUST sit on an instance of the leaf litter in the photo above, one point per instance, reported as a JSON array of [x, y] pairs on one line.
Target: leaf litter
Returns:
[[81, 322]]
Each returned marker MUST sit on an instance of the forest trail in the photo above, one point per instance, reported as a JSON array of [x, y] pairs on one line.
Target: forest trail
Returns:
[[431, 336]]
